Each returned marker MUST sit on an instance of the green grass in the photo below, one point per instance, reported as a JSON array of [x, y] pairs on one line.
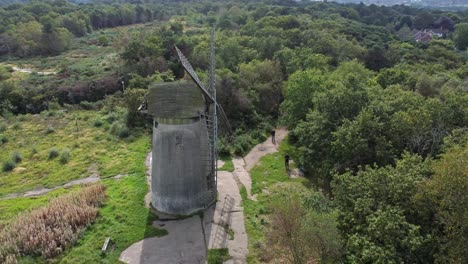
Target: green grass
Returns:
[[228, 165], [88, 147], [218, 256], [123, 216]]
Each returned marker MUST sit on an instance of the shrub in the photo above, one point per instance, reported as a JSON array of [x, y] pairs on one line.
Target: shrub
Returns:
[[50, 130], [114, 128], [49, 230], [3, 139], [111, 118], [65, 156], [3, 127], [17, 126], [8, 166], [16, 157], [124, 132], [33, 152], [86, 105], [218, 255], [97, 123], [53, 153]]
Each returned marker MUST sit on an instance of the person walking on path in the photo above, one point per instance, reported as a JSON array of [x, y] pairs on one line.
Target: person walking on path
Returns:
[[286, 163], [273, 138]]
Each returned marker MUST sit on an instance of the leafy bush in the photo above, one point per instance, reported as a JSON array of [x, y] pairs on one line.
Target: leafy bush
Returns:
[[3, 127], [8, 166], [242, 144], [97, 123], [49, 230], [86, 105], [65, 156], [50, 130], [16, 157], [53, 153], [124, 132], [218, 256], [3, 139], [17, 126], [111, 118]]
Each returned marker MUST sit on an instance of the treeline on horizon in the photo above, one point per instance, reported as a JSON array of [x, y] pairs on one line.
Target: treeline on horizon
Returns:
[[47, 27]]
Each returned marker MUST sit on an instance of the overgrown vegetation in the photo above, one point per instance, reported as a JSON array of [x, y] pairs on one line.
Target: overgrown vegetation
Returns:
[[217, 256], [48, 231]]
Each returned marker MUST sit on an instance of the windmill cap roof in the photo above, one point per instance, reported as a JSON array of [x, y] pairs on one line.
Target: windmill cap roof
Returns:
[[175, 100]]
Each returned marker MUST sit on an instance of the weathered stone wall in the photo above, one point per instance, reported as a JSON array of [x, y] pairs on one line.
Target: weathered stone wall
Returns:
[[181, 168]]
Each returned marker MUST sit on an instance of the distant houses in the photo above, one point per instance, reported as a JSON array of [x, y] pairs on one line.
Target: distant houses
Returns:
[[427, 35]]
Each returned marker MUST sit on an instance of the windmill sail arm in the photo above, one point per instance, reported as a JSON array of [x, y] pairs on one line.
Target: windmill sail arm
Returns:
[[188, 67], [223, 118]]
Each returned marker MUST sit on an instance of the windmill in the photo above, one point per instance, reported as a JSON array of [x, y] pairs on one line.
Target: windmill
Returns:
[[185, 130]]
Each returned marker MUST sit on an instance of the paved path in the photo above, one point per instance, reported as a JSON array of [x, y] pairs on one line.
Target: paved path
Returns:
[[27, 70], [188, 239], [94, 177], [242, 166]]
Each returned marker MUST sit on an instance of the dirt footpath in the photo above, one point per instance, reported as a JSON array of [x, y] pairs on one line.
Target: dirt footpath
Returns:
[[242, 166]]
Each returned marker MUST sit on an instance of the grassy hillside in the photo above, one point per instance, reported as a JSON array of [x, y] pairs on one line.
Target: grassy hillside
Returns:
[[93, 145]]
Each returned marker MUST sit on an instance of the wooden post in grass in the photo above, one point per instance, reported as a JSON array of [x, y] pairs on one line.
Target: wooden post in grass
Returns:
[[105, 246]]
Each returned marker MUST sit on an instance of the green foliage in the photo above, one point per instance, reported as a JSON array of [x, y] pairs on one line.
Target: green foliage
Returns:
[[218, 256], [97, 123], [64, 156], [3, 127], [133, 99], [377, 214], [3, 139], [228, 165], [16, 157], [304, 234], [461, 36], [53, 153], [301, 87], [445, 194], [49, 130], [8, 166], [124, 132], [4, 73]]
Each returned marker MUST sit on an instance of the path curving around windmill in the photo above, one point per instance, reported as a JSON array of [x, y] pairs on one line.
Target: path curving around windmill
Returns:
[[220, 226]]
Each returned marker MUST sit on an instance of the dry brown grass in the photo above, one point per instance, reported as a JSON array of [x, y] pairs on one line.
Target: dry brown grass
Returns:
[[49, 230]]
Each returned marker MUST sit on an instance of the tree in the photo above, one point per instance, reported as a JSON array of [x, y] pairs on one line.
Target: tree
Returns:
[[461, 36], [304, 226], [447, 192], [133, 99], [56, 41], [377, 213], [27, 38], [262, 80], [299, 92]]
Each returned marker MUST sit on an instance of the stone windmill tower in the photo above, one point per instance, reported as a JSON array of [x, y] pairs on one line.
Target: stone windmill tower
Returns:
[[185, 129]]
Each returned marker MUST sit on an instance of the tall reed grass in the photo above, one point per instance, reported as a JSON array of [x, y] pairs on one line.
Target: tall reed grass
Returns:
[[49, 230]]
